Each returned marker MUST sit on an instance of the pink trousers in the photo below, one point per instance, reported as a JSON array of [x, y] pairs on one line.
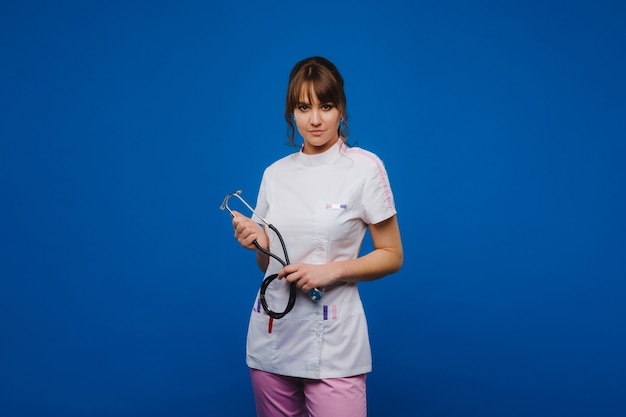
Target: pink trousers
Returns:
[[285, 396]]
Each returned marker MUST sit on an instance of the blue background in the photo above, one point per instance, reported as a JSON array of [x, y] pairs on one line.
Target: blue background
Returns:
[[124, 124]]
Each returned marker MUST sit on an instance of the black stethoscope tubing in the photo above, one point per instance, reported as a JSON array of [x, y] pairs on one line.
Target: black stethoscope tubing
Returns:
[[268, 280], [315, 294]]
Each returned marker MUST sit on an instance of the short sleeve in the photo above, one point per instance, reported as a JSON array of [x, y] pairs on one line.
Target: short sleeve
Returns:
[[378, 202], [262, 205]]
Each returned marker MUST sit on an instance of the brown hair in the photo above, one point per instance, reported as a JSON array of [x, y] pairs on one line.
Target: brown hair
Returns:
[[325, 81]]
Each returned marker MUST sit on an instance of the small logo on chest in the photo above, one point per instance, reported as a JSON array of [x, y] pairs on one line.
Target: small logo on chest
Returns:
[[336, 206]]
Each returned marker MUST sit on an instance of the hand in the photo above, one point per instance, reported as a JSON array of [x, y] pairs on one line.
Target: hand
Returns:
[[247, 231], [308, 276]]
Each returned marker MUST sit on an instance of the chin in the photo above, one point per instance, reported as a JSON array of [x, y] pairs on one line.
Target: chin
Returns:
[[320, 142]]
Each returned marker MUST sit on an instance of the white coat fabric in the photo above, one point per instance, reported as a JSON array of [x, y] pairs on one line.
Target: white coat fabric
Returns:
[[321, 204]]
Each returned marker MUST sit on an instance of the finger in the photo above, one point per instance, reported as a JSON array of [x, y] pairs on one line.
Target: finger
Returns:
[[239, 220], [295, 278], [287, 270], [292, 277], [242, 228]]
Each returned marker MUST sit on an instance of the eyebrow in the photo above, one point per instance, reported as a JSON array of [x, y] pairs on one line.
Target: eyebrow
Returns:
[[306, 103]]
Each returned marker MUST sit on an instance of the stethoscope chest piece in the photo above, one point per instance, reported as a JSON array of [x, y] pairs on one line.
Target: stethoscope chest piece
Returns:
[[316, 294]]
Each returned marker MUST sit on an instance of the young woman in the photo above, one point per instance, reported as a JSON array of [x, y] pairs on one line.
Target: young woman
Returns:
[[314, 360]]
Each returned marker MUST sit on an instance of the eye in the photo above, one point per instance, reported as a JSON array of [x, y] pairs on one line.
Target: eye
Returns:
[[327, 106], [303, 107]]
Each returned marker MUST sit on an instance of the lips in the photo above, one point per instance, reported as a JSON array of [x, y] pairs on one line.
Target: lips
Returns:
[[316, 132]]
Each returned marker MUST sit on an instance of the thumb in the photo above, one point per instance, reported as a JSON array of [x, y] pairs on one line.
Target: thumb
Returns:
[[236, 214]]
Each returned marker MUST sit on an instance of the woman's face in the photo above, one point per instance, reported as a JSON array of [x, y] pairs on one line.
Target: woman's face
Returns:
[[317, 122]]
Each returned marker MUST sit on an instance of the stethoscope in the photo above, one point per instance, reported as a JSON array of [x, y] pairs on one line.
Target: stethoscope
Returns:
[[315, 294]]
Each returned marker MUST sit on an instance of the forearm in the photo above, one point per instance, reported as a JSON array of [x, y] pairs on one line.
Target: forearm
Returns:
[[262, 260], [369, 267], [385, 259]]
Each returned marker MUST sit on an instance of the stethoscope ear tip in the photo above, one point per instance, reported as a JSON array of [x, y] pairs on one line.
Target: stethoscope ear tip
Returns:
[[237, 194], [224, 205]]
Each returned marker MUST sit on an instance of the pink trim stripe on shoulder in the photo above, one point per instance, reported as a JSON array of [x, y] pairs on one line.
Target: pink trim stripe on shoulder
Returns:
[[379, 166]]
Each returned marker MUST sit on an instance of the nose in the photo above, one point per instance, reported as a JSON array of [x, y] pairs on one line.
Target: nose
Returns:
[[315, 117]]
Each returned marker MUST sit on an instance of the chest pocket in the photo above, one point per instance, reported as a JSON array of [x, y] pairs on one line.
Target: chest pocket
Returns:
[[339, 218]]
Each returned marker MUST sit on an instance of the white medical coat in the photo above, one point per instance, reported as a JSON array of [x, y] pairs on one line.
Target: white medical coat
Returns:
[[321, 204]]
